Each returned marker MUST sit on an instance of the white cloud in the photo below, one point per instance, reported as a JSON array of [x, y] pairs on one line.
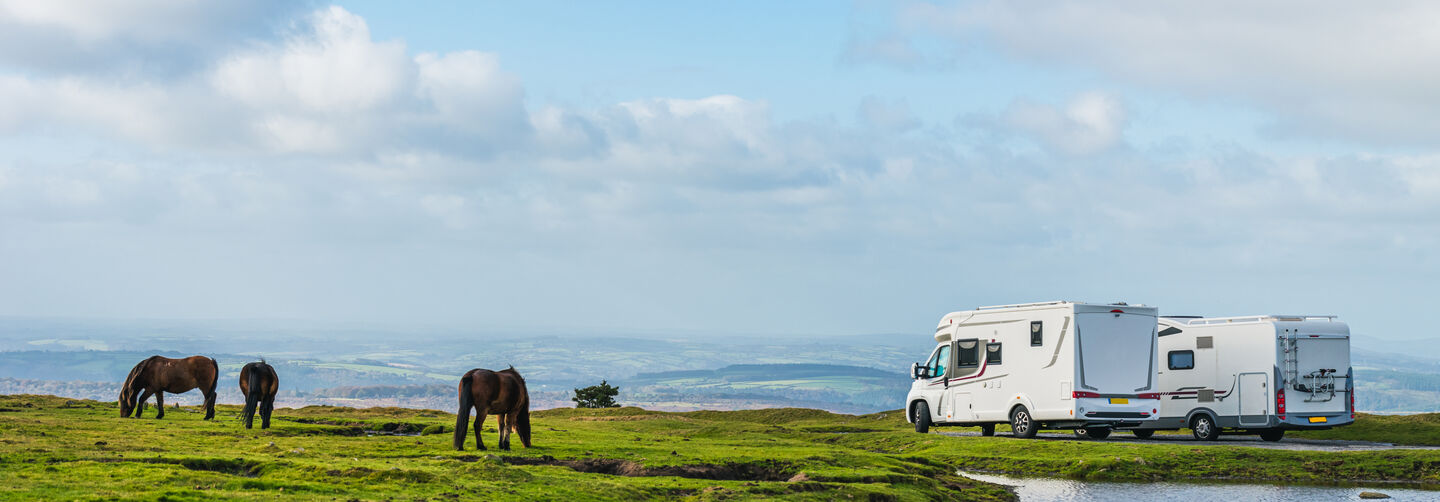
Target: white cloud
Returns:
[[328, 150], [889, 116], [1360, 71], [146, 36], [1091, 122]]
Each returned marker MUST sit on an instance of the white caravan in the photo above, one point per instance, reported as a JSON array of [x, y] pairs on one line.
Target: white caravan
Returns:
[[1257, 374], [1055, 365]]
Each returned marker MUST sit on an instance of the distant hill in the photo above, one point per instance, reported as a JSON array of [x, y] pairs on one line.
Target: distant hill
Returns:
[[837, 387]]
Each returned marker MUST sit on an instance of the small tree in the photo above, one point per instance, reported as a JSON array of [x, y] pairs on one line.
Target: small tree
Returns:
[[597, 396]]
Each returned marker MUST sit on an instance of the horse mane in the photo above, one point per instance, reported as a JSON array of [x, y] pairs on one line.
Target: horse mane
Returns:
[[127, 389], [511, 370]]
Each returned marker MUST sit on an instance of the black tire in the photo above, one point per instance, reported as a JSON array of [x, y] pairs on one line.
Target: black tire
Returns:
[[1142, 433], [1022, 423], [1097, 432], [1204, 428], [987, 430], [1272, 435], [922, 417]]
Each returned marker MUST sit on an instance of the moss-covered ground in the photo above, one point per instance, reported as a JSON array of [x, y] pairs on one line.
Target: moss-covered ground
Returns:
[[55, 448]]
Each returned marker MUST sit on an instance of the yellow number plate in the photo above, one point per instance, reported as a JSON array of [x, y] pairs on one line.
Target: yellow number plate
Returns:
[[1119, 400], [1317, 420]]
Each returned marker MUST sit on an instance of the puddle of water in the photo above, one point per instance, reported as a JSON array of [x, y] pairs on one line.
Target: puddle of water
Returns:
[[1069, 490]]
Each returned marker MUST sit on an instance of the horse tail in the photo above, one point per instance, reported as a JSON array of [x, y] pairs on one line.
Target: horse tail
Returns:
[[252, 397], [214, 377], [210, 390], [522, 422], [462, 417]]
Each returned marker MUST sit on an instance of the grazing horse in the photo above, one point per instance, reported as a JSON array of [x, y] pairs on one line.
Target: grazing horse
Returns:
[[158, 375], [259, 383], [499, 392]]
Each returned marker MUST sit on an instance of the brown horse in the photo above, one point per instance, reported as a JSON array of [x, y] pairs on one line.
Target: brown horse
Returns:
[[500, 392], [259, 383], [158, 375]]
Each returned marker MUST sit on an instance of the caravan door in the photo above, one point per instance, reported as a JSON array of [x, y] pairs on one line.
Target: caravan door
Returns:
[[1254, 397]]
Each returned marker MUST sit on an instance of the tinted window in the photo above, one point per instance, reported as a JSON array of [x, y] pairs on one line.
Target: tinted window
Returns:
[[992, 353], [940, 362], [1182, 359], [968, 352], [1037, 333]]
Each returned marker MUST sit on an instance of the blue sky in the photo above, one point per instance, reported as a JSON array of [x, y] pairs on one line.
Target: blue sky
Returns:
[[754, 167]]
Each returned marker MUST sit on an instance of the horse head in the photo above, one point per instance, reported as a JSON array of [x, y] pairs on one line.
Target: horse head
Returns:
[[127, 401]]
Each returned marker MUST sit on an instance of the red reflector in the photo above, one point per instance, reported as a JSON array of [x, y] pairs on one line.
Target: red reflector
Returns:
[[1080, 393], [1117, 311], [1149, 395]]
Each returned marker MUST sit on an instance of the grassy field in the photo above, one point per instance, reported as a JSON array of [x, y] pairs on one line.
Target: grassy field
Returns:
[[55, 448], [1422, 429]]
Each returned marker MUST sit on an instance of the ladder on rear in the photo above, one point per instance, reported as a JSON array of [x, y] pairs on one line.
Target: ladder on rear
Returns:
[[1318, 384]]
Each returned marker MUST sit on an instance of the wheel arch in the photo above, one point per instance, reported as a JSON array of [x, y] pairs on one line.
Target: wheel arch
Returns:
[[1018, 401], [910, 409], [1190, 417]]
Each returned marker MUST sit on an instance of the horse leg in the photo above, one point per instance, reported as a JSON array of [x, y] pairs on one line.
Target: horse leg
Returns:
[[500, 428], [160, 403], [140, 403], [266, 407], [210, 404], [479, 426]]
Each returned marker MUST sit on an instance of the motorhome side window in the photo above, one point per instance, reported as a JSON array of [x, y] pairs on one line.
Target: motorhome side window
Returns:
[[1182, 359], [1037, 333], [967, 357], [992, 353], [940, 362]]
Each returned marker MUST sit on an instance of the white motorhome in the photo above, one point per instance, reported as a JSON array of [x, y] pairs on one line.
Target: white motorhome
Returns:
[[1258, 374], [1054, 365]]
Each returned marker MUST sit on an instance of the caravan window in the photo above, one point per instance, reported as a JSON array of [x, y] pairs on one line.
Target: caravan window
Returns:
[[1037, 333], [1182, 359], [967, 357], [992, 353], [940, 362], [968, 352]]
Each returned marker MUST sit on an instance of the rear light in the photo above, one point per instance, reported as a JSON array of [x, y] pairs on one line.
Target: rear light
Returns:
[[1352, 404], [1080, 393], [1149, 395], [1280, 403]]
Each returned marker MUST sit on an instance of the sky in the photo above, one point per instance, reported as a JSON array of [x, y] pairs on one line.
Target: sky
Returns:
[[773, 168]]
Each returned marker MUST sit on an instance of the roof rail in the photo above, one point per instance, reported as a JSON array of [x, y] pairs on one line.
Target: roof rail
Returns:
[[1252, 318], [1014, 305]]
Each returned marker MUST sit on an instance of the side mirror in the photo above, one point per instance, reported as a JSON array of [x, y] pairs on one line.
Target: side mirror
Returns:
[[917, 371]]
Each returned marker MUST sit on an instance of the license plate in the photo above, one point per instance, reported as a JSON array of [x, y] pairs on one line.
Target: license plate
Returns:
[[1119, 400], [1317, 420]]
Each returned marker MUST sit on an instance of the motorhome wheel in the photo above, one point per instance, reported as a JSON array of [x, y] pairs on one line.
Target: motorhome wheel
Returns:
[[987, 430], [1272, 435], [1142, 433], [1022, 423], [1204, 428], [922, 417]]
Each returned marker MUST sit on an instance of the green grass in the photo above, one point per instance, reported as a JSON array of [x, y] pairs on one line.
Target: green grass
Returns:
[[54, 448], [1422, 429]]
